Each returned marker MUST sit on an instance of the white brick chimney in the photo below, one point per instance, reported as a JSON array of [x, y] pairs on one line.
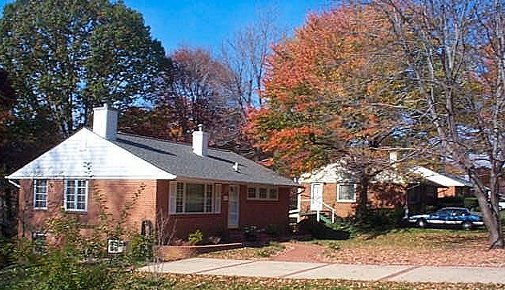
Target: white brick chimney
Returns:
[[200, 141], [105, 122]]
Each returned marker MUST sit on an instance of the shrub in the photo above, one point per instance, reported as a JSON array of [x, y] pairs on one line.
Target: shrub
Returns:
[[250, 233], [195, 238], [457, 201], [273, 230], [312, 227], [141, 248], [6, 252], [319, 230], [471, 202], [380, 219]]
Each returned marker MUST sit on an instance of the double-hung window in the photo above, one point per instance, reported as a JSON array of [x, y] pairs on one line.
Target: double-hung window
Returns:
[[194, 198], [76, 195], [346, 192], [40, 194]]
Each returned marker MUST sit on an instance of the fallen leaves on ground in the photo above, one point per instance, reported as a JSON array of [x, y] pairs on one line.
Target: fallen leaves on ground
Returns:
[[426, 247], [177, 281], [417, 247], [248, 253]]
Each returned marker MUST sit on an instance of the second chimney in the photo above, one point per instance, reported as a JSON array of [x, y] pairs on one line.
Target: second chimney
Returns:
[[200, 141], [105, 122]]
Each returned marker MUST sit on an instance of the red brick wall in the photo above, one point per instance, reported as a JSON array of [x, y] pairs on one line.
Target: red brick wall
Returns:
[[379, 196], [262, 213], [446, 192], [149, 201], [116, 194], [251, 212]]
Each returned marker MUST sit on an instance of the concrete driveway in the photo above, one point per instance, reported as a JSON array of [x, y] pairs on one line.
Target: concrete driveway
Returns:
[[301, 270]]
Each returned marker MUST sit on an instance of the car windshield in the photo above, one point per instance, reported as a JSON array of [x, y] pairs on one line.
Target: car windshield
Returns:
[[453, 211], [442, 212]]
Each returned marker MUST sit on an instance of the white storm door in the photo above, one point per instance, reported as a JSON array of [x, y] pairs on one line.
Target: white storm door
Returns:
[[316, 196], [233, 206]]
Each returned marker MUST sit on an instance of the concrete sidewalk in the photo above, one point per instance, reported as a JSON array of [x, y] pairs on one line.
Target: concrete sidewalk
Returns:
[[300, 270]]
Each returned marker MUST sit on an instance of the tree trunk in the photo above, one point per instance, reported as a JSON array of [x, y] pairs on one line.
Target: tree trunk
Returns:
[[491, 218], [362, 197]]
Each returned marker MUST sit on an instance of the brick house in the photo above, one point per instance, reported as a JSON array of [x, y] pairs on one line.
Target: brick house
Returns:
[[333, 189], [190, 187]]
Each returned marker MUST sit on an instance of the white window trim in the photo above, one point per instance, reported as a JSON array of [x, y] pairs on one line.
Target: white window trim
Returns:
[[216, 199], [346, 200], [75, 193], [257, 196], [35, 193]]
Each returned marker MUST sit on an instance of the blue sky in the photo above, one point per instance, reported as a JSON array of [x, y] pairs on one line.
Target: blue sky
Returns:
[[206, 23]]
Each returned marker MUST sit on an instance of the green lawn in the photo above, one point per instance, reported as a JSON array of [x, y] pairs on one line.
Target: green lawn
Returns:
[[411, 238]]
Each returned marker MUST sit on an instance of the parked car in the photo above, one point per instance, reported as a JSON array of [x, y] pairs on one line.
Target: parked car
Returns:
[[501, 204], [448, 217]]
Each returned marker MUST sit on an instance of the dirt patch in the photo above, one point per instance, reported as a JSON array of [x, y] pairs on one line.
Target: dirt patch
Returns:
[[300, 252]]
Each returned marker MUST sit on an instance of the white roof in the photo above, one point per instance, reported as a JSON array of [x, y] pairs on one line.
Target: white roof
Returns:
[[337, 173], [79, 157], [437, 178]]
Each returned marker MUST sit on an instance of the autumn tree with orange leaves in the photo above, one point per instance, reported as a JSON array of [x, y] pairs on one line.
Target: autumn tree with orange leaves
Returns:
[[332, 93]]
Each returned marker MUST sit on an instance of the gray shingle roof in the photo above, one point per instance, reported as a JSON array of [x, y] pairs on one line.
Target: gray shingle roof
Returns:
[[179, 159]]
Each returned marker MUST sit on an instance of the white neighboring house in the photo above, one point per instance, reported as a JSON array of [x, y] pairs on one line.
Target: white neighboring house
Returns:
[[332, 190]]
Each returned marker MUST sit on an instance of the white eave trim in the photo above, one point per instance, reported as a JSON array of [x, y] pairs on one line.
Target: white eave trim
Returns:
[[164, 177], [13, 183]]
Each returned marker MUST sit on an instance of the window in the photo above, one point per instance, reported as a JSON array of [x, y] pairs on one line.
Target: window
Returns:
[[194, 198], [346, 192], [76, 195], [273, 193], [40, 194], [251, 192], [39, 242], [262, 193]]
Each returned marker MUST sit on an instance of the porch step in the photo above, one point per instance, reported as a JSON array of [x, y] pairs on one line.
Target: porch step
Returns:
[[325, 219]]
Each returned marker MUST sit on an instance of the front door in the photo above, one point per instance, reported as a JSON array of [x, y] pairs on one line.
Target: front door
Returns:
[[233, 206], [316, 196]]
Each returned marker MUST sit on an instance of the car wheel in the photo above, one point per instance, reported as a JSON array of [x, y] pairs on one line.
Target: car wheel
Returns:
[[421, 223], [467, 226]]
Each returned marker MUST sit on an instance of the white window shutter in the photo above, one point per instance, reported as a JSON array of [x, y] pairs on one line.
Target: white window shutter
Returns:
[[172, 200], [217, 198]]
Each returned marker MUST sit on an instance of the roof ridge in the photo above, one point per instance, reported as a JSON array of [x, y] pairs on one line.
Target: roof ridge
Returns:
[[173, 142]]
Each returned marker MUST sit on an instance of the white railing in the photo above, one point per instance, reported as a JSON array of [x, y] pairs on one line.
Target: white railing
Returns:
[[318, 212]]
